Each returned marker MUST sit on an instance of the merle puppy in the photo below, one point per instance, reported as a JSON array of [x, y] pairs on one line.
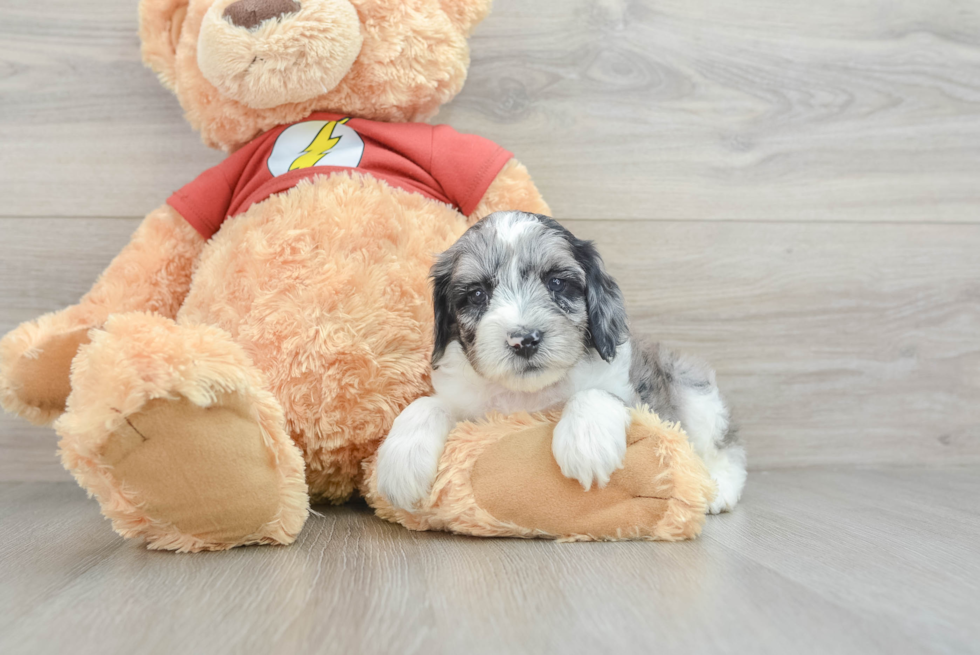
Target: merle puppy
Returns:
[[527, 318]]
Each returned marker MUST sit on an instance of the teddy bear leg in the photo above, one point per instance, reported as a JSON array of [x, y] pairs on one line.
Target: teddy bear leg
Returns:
[[152, 273], [173, 430], [498, 478], [35, 384]]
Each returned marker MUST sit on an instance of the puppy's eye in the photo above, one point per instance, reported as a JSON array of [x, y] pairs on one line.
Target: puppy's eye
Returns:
[[477, 296], [556, 284]]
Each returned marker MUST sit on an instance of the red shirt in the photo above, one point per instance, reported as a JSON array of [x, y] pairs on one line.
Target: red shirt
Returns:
[[434, 160]]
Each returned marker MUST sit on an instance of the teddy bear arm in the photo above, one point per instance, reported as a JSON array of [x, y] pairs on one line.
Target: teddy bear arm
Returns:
[[499, 478], [512, 189], [152, 273]]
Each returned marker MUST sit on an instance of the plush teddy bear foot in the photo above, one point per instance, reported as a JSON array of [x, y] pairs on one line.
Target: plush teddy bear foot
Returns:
[[171, 429], [35, 364], [205, 471], [499, 478]]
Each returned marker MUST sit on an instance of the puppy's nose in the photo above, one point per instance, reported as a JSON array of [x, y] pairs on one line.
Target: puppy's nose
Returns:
[[525, 344], [250, 13]]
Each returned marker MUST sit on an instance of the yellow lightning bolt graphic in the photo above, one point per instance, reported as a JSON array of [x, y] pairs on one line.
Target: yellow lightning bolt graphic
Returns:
[[319, 147]]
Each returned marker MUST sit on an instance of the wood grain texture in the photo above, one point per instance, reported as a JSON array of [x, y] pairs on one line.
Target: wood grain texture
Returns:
[[835, 343], [813, 561], [677, 109]]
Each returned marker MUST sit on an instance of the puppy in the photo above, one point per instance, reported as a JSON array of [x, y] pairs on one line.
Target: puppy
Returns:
[[527, 318]]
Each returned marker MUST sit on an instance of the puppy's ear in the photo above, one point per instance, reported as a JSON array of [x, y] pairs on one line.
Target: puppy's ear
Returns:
[[445, 320], [604, 301]]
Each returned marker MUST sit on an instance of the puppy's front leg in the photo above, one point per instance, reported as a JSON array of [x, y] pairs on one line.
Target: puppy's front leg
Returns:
[[589, 442], [409, 455]]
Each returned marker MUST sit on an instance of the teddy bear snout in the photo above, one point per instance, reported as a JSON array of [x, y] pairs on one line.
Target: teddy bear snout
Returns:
[[251, 13], [267, 53]]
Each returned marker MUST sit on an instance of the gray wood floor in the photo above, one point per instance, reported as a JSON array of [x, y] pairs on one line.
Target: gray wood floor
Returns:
[[789, 188], [816, 560]]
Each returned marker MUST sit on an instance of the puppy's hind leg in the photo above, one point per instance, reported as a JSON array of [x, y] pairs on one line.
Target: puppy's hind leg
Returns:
[[705, 417], [727, 468]]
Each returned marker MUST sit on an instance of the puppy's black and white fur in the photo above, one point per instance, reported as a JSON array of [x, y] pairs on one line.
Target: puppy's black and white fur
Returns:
[[527, 318]]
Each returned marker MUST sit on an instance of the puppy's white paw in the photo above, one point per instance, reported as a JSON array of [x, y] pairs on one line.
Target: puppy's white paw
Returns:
[[589, 442], [722, 504], [405, 476], [727, 469], [409, 456]]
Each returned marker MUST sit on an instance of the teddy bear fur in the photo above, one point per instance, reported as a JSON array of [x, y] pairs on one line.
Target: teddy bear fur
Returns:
[[206, 392]]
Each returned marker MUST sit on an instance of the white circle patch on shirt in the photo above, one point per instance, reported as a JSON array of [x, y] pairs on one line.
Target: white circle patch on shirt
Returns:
[[316, 143]]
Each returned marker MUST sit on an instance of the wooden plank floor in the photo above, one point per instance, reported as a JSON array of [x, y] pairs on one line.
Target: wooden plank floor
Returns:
[[817, 560]]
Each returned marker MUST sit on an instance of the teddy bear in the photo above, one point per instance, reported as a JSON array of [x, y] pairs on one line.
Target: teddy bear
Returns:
[[244, 355]]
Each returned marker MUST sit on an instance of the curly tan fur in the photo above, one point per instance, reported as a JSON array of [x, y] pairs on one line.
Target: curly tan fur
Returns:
[[334, 309]]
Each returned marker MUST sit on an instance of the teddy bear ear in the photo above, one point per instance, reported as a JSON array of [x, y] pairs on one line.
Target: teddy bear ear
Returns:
[[465, 14], [160, 25]]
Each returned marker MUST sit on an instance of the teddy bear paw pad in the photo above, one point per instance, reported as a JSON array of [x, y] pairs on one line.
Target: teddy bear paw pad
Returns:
[[206, 472]]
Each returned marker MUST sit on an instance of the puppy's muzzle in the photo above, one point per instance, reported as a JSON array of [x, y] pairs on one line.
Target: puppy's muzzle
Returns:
[[524, 344]]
